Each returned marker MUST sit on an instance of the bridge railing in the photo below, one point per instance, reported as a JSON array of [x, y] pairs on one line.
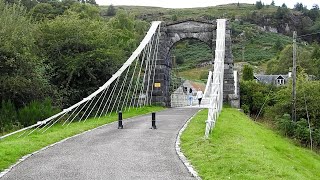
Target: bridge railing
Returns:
[[214, 87]]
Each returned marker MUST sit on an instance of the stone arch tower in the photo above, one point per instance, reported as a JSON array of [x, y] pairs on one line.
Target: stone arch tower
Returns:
[[172, 33]]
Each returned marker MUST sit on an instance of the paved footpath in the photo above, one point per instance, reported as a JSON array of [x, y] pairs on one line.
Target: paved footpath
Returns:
[[135, 152]]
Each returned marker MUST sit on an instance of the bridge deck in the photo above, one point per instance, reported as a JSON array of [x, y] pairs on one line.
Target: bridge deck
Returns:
[[135, 152]]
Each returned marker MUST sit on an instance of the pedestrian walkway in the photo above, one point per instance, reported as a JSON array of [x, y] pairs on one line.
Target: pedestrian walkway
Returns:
[[135, 152]]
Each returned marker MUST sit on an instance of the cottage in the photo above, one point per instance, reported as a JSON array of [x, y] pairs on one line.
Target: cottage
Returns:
[[277, 80]]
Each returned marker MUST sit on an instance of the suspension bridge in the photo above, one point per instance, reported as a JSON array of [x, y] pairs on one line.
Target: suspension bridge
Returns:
[[144, 79]]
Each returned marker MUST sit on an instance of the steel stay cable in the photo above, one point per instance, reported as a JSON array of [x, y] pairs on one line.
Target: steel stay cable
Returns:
[[103, 92], [70, 116], [151, 63], [116, 87], [155, 62], [138, 79], [146, 68], [129, 89], [105, 104], [40, 125], [77, 113], [122, 88], [110, 95], [87, 108]]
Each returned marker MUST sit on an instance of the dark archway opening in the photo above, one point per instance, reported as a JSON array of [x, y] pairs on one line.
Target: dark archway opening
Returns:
[[191, 60]]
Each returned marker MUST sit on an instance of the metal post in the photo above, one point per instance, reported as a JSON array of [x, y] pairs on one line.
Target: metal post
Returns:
[[120, 126], [294, 76], [154, 121]]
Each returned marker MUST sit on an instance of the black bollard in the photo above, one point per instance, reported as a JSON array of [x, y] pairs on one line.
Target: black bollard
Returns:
[[154, 121], [120, 126]]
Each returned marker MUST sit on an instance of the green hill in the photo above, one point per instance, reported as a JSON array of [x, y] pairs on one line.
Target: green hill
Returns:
[[252, 40], [240, 148]]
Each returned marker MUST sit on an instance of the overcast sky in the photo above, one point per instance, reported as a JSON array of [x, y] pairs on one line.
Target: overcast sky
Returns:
[[199, 3]]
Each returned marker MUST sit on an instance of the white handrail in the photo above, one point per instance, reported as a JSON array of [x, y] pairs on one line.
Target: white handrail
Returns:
[[214, 87]]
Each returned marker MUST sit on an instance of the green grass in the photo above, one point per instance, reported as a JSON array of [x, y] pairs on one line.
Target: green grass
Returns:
[[13, 148], [239, 148], [195, 73]]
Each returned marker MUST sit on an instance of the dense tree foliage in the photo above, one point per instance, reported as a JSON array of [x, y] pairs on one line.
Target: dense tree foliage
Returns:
[[253, 96], [22, 77], [111, 11], [307, 58], [59, 49], [247, 73], [259, 5], [308, 97]]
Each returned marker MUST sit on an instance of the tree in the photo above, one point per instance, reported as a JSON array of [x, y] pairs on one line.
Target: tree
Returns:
[[247, 73], [259, 5], [314, 12], [253, 95], [308, 92], [298, 7], [272, 3], [83, 53], [84, 11], [93, 2], [278, 45], [43, 11], [111, 11], [281, 13], [22, 72], [284, 5]]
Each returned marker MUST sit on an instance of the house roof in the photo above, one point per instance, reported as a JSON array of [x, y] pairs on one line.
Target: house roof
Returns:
[[269, 79]]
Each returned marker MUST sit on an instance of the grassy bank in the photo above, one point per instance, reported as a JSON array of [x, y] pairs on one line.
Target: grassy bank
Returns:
[[239, 148], [13, 148], [195, 74]]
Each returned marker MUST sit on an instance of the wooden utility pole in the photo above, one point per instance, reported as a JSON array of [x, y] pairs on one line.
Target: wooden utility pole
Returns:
[[294, 76]]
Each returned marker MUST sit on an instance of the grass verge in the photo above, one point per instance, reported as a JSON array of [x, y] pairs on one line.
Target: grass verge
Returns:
[[13, 148], [239, 148]]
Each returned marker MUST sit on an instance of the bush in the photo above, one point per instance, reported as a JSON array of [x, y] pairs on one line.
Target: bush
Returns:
[[8, 116], [36, 111], [285, 125], [253, 96], [316, 137], [301, 131], [245, 109]]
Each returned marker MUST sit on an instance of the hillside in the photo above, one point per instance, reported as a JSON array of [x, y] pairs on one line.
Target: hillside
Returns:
[[240, 148], [258, 34]]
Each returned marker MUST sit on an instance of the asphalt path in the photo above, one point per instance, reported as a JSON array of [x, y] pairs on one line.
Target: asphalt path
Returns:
[[135, 152]]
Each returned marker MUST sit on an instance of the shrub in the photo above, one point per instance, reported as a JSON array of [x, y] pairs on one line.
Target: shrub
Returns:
[[301, 131], [8, 116], [36, 111], [285, 125]]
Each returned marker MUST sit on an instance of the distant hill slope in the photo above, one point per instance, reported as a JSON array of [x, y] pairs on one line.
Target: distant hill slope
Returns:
[[252, 40]]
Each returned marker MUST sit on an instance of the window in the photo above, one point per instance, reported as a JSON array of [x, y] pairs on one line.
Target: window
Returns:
[[280, 81]]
